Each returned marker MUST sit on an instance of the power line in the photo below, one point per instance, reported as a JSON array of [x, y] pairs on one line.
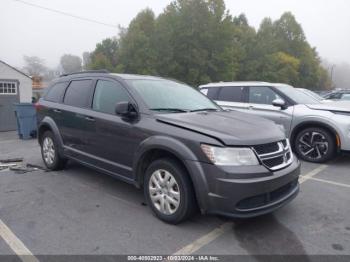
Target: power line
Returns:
[[66, 14]]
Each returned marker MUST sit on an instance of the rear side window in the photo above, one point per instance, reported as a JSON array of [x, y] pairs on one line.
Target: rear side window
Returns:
[[107, 95], [211, 92], [79, 93], [56, 92], [231, 94]]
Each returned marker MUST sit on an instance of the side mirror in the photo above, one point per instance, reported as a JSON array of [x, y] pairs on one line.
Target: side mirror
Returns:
[[125, 109], [279, 103]]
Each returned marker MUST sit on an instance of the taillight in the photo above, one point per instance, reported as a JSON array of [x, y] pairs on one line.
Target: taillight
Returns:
[[38, 106]]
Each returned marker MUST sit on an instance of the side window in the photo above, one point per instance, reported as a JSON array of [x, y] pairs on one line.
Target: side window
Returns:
[[345, 97], [107, 95], [56, 92], [335, 96], [231, 94], [211, 92], [79, 93], [262, 95]]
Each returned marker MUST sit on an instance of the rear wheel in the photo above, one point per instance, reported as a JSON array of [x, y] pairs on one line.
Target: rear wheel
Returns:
[[49, 152], [315, 145], [168, 191]]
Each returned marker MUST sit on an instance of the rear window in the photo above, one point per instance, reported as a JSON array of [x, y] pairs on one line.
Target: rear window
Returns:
[[79, 93], [231, 94], [56, 92]]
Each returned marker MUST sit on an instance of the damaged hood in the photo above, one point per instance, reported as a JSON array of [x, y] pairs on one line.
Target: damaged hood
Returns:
[[229, 127]]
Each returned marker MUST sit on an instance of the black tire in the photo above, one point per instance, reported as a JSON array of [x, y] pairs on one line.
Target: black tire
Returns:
[[324, 136], [58, 162], [187, 204]]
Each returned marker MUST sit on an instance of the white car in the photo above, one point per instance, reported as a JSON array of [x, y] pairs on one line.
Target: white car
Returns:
[[317, 131]]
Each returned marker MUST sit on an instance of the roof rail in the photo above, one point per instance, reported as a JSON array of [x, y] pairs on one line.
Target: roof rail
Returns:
[[87, 72]]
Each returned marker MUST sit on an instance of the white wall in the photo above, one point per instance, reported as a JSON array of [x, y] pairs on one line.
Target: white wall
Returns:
[[25, 83]]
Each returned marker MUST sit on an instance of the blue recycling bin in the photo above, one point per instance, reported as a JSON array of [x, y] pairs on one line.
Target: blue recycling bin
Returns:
[[26, 120]]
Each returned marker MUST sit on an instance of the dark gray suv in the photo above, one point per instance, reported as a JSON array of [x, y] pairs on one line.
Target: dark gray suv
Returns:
[[169, 139]]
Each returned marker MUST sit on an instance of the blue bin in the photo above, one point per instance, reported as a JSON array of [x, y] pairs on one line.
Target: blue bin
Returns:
[[26, 120]]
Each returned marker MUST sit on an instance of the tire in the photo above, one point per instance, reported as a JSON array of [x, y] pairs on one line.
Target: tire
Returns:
[[49, 152], [315, 145], [175, 190]]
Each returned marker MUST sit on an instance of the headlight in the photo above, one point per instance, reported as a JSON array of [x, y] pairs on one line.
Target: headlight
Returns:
[[225, 156]]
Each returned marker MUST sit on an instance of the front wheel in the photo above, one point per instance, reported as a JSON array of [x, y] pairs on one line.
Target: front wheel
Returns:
[[315, 145], [169, 191]]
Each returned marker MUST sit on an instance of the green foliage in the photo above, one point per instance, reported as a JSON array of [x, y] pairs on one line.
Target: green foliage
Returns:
[[198, 41]]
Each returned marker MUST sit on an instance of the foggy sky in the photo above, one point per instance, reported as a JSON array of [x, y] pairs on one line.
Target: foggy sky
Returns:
[[26, 30]]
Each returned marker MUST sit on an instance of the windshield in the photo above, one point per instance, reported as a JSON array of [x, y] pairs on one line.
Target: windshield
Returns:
[[166, 95], [298, 96], [311, 93]]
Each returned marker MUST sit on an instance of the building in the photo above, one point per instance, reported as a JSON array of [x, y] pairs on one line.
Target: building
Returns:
[[15, 87]]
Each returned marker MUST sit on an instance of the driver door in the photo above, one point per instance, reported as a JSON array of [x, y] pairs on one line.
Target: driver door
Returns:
[[260, 100]]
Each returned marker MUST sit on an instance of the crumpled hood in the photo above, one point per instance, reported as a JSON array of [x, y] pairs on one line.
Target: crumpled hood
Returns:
[[343, 106], [230, 127]]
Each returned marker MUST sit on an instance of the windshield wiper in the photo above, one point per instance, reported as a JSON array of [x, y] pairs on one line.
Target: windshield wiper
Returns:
[[177, 110], [205, 109]]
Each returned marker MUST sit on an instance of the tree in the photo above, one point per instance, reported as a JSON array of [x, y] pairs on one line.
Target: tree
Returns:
[[34, 66], [136, 50], [71, 63], [198, 41], [194, 41], [86, 60], [105, 55]]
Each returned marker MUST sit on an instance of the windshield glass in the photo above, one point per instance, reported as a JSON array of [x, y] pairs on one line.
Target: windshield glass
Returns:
[[298, 96], [311, 93], [166, 95]]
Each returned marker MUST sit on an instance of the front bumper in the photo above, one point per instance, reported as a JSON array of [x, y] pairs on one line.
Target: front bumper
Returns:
[[244, 191]]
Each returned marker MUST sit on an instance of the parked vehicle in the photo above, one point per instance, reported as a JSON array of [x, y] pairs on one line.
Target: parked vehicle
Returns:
[[338, 95], [182, 148], [317, 131]]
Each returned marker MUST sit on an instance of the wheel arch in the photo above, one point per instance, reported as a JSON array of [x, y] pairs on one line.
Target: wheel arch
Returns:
[[162, 147], [48, 124], [309, 124]]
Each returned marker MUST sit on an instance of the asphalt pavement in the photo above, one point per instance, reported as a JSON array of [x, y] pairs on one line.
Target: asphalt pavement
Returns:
[[79, 211]]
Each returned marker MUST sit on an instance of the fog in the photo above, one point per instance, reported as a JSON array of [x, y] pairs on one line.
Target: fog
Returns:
[[28, 30]]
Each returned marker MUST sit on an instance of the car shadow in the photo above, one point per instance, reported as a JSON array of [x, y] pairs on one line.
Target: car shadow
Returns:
[[265, 236]]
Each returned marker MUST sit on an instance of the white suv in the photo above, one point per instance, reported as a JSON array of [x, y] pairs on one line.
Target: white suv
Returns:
[[317, 130]]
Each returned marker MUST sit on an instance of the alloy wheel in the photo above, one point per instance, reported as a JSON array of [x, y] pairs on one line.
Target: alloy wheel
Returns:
[[313, 145]]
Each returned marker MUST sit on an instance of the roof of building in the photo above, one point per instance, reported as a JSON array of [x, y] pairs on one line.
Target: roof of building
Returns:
[[15, 69]]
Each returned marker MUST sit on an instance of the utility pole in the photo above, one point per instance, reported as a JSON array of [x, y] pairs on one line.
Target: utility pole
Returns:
[[332, 72]]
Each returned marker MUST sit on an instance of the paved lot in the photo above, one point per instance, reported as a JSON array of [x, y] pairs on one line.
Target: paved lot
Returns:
[[80, 211]]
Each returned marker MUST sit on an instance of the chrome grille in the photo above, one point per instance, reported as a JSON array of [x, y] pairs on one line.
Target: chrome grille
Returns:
[[276, 155]]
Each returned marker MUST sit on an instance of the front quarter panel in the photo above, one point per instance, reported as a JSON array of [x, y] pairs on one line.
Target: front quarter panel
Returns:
[[339, 124]]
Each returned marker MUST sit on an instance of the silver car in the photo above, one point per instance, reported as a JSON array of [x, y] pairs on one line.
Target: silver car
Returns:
[[316, 130]]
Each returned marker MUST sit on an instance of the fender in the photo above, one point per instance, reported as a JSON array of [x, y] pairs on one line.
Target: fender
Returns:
[[315, 122], [50, 123], [182, 152]]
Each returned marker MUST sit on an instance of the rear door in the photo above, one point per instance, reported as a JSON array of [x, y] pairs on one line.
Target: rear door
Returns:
[[77, 125], [232, 97], [260, 100]]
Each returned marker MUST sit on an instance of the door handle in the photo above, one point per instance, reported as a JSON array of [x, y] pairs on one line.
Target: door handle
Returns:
[[89, 118], [57, 111]]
